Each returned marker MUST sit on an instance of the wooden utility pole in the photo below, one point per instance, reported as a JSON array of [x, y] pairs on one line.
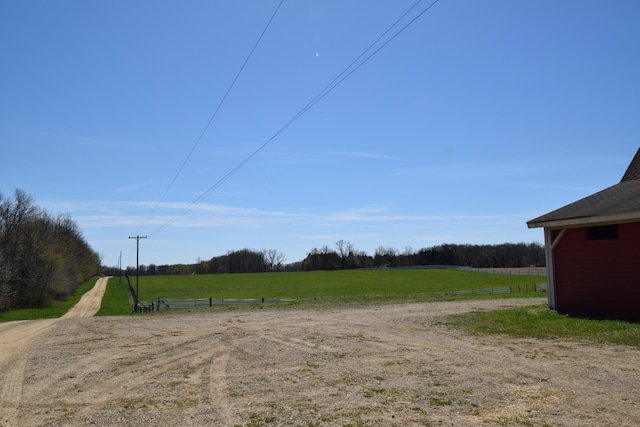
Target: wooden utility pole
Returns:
[[137, 264]]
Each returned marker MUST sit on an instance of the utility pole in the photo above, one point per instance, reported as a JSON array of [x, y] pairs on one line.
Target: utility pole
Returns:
[[137, 264]]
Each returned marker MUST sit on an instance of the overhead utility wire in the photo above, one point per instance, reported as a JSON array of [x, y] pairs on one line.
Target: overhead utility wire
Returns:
[[324, 92], [328, 88], [214, 114]]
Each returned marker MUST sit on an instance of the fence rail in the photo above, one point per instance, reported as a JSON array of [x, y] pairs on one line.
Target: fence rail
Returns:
[[171, 303], [520, 271]]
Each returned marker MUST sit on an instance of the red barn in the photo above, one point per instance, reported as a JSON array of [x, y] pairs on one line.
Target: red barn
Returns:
[[593, 251]]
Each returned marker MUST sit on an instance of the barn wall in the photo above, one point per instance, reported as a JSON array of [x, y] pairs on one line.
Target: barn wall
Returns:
[[599, 277]]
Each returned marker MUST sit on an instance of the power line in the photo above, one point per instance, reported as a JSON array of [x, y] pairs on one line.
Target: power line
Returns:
[[215, 113], [348, 71], [337, 79]]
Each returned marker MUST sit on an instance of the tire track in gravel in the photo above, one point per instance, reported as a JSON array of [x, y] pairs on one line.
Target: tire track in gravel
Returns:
[[177, 362], [219, 387], [299, 344], [149, 367], [217, 393], [16, 341]]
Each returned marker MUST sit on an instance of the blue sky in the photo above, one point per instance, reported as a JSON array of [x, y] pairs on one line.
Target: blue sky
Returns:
[[477, 117]]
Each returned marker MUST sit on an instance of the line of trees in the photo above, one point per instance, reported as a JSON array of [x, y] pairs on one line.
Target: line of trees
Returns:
[[240, 261], [345, 256], [42, 258], [505, 255]]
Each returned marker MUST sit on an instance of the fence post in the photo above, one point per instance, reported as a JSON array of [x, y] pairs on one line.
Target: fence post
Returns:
[[210, 302]]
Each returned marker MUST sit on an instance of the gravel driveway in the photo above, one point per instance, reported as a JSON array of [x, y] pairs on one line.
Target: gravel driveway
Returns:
[[349, 365]]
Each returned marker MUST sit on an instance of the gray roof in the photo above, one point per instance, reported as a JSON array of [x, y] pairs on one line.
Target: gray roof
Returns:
[[633, 171], [618, 203]]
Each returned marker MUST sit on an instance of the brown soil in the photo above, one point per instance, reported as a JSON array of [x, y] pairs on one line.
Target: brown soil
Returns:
[[350, 365]]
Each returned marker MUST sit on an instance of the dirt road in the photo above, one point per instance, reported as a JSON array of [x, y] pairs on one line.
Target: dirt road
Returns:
[[16, 342], [90, 302], [366, 365]]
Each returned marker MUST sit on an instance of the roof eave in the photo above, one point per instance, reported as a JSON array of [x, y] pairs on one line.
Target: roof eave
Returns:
[[615, 218]]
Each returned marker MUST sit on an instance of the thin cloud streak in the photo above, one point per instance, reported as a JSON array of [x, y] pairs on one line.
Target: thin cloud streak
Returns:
[[119, 214]]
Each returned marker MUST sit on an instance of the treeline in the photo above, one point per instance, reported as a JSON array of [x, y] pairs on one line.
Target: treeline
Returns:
[[345, 256], [242, 261], [505, 255], [42, 258]]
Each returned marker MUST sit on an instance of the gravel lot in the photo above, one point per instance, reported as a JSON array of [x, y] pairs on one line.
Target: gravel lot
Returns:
[[349, 365]]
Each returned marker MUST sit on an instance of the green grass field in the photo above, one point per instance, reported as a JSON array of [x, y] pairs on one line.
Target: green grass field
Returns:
[[323, 283]]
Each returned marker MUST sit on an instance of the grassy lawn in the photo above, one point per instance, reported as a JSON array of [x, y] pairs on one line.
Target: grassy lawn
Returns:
[[540, 322], [324, 283], [57, 309], [117, 300]]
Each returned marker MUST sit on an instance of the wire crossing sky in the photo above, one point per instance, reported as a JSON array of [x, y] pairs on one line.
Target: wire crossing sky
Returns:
[[235, 79], [465, 123], [325, 91]]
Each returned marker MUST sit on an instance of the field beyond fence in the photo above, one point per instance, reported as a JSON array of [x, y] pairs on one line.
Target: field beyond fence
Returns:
[[256, 288]]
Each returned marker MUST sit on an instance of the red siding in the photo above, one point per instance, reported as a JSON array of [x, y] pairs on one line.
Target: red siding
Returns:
[[599, 277]]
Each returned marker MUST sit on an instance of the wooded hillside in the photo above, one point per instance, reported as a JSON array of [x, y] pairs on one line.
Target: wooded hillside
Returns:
[[42, 258]]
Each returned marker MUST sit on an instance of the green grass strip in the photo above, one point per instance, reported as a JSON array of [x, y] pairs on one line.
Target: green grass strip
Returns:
[[117, 300], [540, 322]]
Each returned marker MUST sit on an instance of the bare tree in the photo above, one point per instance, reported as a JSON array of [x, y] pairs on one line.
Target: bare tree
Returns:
[[345, 249], [273, 259], [270, 258], [280, 258]]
